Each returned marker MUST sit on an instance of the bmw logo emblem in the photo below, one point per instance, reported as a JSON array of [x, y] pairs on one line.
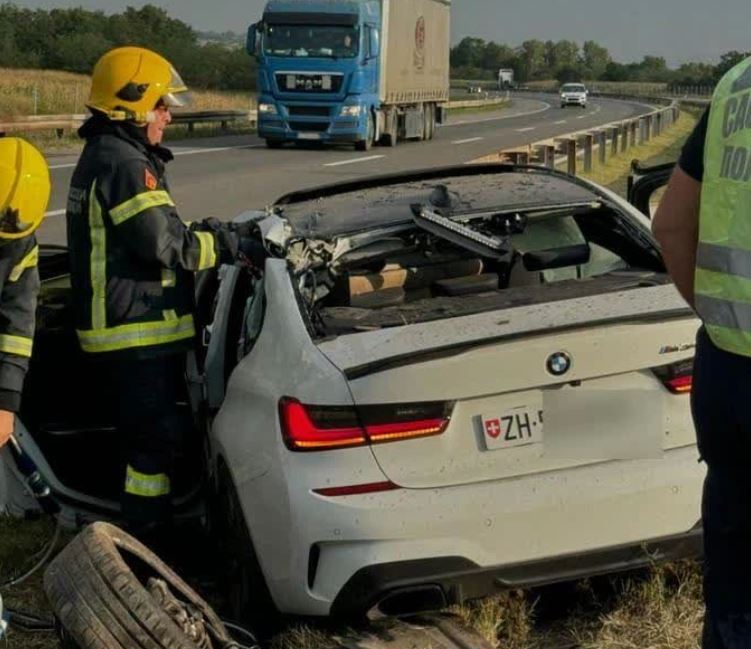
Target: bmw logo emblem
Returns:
[[558, 364]]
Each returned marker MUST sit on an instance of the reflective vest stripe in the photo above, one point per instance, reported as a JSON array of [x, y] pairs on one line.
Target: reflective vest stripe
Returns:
[[169, 278], [31, 260], [141, 334], [145, 485], [98, 262], [207, 258], [723, 259], [724, 313], [139, 203], [17, 345]]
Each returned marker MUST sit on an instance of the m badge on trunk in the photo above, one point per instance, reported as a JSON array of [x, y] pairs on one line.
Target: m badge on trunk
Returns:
[[559, 363]]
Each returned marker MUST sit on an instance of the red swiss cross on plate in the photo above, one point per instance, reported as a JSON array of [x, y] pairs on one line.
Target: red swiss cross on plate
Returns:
[[493, 428]]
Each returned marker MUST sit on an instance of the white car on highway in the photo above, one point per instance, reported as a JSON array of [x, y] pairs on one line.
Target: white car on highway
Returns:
[[574, 94], [443, 384]]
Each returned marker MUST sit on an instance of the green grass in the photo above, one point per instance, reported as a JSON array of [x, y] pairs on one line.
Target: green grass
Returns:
[[20, 541], [480, 109]]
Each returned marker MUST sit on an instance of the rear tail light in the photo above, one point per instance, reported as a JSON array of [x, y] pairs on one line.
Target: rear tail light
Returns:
[[678, 377], [323, 428]]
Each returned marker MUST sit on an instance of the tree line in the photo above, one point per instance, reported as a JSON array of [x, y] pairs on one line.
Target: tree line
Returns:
[[565, 61], [73, 40]]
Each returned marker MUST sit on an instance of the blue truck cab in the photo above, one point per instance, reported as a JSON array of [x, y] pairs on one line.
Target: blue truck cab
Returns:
[[318, 74]]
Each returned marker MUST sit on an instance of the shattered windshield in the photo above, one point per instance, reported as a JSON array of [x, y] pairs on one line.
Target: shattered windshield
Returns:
[[330, 41]]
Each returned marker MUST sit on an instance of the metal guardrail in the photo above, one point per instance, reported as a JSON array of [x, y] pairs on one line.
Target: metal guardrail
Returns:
[[607, 141], [62, 123]]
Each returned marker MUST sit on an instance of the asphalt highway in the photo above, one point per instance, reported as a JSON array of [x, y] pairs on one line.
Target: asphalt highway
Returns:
[[224, 176]]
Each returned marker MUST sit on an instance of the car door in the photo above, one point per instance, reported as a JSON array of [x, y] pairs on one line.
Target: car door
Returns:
[[646, 184]]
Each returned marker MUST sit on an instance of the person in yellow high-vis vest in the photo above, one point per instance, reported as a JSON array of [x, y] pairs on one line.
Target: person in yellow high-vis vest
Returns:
[[703, 224], [24, 193]]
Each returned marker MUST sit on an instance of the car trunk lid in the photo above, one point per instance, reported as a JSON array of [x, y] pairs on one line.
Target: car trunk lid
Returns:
[[503, 370]]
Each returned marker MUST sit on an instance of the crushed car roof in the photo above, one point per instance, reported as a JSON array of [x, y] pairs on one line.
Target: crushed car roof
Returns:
[[362, 205]]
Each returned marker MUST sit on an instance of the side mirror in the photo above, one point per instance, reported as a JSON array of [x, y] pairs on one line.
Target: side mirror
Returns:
[[251, 43], [374, 43]]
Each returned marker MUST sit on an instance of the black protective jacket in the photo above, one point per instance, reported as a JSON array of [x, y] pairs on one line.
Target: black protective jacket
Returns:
[[19, 288], [132, 258]]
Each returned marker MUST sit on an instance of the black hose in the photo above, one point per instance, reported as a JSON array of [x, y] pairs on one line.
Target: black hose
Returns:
[[15, 581], [247, 635], [29, 621]]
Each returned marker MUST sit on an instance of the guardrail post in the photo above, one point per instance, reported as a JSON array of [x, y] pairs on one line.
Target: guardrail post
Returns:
[[602, 137], [624, 137], [589, 141], [633, 134], [614, 141], [571, 156], [642, 130], [658, 124], [549, 159], [648, 128]]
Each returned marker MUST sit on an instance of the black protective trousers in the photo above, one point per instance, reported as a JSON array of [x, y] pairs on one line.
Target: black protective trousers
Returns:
[[721, 405], [151, 430]]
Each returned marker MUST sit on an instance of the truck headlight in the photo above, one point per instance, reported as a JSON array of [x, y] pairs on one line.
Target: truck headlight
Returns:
[[350, 111], [267, 109]]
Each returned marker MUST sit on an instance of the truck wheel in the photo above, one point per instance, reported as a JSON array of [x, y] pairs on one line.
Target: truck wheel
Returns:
[[108, 590], [431, 121], [425, 123], [274, 144], [367, 143], [249, 599]]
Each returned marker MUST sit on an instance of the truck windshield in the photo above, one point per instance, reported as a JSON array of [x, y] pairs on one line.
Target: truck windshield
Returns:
[[329, 41]]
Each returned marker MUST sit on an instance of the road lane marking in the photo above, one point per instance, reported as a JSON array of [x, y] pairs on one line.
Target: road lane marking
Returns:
[[547, 106], [468, 140], [217, 149], [354, 161], [562, 121], [55, 213], [70, 165], [525, 130]]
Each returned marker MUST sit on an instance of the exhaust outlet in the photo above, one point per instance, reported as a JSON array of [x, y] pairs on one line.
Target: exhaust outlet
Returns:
[[413, 599]]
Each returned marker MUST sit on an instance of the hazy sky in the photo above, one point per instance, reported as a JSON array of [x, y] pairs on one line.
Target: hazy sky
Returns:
[[679, 30]]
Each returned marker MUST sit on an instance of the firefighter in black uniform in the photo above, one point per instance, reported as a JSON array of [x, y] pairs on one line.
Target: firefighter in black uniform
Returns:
[[133, 262], [24, 193]]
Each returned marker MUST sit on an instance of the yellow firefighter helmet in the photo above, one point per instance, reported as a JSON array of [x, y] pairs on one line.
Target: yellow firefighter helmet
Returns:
[[128, 83], [24, 188]]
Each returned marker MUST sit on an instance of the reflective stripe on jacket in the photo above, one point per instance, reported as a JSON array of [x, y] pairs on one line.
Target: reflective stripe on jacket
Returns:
[[723, 264], [132, 257], [19, 288]]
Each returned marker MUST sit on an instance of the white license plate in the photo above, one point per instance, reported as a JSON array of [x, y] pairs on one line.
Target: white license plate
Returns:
[[308, 136], [514, 427]]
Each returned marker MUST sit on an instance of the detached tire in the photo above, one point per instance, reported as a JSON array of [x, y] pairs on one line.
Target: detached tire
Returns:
[[102, 603]]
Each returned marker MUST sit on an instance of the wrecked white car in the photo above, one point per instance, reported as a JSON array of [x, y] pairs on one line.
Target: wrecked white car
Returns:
[[443, 384]]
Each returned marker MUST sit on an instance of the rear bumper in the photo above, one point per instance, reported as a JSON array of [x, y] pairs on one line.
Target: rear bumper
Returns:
[[469, 540], [455, 579]]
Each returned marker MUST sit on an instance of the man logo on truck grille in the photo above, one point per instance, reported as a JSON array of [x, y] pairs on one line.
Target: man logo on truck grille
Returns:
[[420, 43]]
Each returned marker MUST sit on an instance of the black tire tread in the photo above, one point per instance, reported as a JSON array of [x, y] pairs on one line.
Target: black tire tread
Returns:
[[101, 603]]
